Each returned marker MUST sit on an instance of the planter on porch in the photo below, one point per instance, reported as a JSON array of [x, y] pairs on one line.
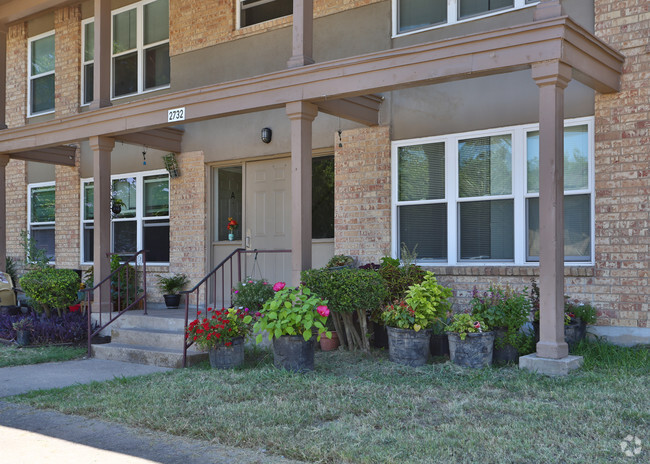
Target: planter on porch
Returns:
[[172, 301]]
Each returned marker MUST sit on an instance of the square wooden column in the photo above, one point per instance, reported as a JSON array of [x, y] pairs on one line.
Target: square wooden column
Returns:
[[552, 78], [3, 78], [301, 115], [102, 55], [303, 33], [4, 160], [102, 147]]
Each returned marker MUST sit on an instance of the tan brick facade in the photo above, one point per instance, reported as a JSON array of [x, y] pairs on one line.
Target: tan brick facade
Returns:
[[362, 193], [196, 24], [16, 195], [16, 98], [67, 34], [66, 239]]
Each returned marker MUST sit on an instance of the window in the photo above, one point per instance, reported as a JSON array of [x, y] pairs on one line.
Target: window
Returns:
[[322, 197], [257, 11], [229, 201], [41, 216], [140, 54], [41, 74], [417, 15], [468, 198], [142, 221]]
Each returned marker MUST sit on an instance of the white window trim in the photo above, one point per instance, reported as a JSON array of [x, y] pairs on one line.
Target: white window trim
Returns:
[[452, 16], [519, 192], [140, 49], [30, 77], [31, 223], [238, 14], [139, 216], [85, 63]]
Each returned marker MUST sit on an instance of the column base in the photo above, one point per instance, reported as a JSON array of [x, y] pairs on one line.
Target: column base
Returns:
[[548, 366], [297, 61]]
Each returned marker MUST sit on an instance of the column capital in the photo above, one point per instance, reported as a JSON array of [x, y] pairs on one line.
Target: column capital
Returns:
[[302, 110], [547, 9], [101, 143], [552, 73], [4, 160]]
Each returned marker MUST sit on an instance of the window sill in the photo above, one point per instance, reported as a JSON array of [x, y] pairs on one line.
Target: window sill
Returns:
[[571, 270]]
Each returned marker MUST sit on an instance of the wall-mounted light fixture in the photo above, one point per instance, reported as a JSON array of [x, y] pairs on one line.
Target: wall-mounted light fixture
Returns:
[[267, 133]]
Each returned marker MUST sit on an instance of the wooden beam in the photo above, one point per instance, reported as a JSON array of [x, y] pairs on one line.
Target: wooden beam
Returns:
[[62, 155], [165, 139], [364, 110]]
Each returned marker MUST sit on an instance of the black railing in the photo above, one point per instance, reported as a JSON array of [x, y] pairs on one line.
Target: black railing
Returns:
[[222, 278], [124, 294]]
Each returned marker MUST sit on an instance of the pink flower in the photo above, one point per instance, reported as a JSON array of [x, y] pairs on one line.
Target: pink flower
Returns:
[[323, 310], [278, 286]]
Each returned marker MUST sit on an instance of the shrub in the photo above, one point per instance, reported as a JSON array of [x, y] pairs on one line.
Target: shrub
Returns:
[[50, 288], [68, 328], [464, 323], [173, 284], [252, 294], [397, 279]]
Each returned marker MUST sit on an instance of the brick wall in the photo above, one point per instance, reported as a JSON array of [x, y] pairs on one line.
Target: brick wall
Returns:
[[67, 242], [195, 24], [362, 193], [16, 195], [67, 35], [622, 153], [16, 97]]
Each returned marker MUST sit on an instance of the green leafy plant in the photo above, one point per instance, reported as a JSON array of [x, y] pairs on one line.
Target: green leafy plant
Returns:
[[348, 291], [49, 288], [173, 284], [171, 164], [397, 278], [34, 256], [252, 294], [464, 323], [23, 324], [579, 311], [219, 328], [293, 311], [339, 261]]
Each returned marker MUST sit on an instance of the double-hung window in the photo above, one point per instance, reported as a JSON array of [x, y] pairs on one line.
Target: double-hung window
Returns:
[[474, 197], [251, 12], [41, 74], [140, 219], [415, 15], [41, 216], [140, 50]]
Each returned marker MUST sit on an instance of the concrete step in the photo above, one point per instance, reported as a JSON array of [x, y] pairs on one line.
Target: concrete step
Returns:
[[153, 322], [171, 339], [163, 357]]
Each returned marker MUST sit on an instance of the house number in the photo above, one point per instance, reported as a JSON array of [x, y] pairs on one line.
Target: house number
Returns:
[[177, 114]]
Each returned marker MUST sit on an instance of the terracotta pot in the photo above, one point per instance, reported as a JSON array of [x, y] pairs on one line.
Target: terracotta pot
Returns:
[[329, 344]]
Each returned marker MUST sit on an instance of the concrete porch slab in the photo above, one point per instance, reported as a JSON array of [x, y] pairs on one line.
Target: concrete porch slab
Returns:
[[548, 366]]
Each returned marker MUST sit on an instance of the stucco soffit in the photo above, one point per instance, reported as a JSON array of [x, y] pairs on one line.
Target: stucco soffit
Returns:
[[62, 155], [165, 139], [14, 10]]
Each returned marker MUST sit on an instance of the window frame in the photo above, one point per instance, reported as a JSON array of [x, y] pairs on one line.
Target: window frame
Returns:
[[140, 219], [44, 224], [238, 18], [453, 15], [140, 50], [31, 77], [519, 194]]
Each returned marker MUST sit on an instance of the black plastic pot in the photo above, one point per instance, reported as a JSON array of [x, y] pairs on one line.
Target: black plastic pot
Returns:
[[503, 352], [172, 301], [379, 336], [406, 346], [439, 345], [293, 353]]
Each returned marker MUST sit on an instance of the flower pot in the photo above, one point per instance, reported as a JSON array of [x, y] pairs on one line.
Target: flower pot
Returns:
[[379, 336], [329, 344], [172, 301], [293, 353], [408, 347], [475, 351], [439, 345], [228, 357], [574, 333], [505, 352], [22, 337]]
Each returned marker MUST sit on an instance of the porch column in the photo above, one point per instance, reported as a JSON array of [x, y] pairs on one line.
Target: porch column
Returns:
[[3, 79], [301, 115], [102, 55], [4, 160], [546, 9], [102, 147], [552, 78], [303, 33]]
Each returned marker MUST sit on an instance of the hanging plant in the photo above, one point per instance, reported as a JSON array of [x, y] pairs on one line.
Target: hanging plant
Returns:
[[171, 164], [116, 205]]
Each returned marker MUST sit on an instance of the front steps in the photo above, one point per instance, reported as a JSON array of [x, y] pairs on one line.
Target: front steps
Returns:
[[155, 339]]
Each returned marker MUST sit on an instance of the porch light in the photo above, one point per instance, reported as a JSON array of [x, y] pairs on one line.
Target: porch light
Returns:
[[267, 133]]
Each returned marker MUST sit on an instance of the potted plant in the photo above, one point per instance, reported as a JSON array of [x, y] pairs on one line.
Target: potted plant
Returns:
[[251, 294], [470, 342], [333, 343], [23, 328], [222, 334], [340, 262], [231, 226], [576, 317], [505, 310], [289, 319], [171, 287], [409, 322], [171, 164]]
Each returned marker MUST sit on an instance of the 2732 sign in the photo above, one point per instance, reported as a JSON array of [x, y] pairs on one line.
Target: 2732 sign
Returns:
[[177, 114]]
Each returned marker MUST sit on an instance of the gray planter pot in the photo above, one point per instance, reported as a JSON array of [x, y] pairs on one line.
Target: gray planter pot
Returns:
[[504, 353], [475, 351], [228, 357], [172, 301], [23, 337], [406, 346], [574, 333], [293, 353]]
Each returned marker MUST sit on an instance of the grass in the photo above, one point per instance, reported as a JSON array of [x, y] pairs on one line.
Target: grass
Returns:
[[364, 409], [11, 355]]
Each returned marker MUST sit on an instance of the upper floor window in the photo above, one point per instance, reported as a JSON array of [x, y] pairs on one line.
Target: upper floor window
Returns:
[[140, 50], [415, 15], [257, 11], [41, 74], [41, 216]]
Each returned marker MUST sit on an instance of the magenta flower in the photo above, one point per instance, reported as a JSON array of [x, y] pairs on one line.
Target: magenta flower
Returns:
[[278, 286], [323, 310]]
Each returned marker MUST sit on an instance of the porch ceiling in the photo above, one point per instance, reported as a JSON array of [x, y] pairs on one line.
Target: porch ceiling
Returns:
[[337, 85]]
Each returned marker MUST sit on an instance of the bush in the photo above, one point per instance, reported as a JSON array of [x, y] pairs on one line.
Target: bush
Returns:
[[68, 328], [397, 279], [50, 288], [252, 294]]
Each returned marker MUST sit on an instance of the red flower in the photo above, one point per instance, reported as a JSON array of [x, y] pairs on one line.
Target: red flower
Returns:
[[228, 343]]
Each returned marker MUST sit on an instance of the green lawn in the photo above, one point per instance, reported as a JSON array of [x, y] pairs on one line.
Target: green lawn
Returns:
[[365, 409], [11, 355]]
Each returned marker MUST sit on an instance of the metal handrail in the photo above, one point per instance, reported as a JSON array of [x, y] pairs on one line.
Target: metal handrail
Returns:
[[98, 288], [213, 275]]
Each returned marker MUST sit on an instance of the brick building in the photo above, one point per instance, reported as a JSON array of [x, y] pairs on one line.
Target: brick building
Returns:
[[435, 124]]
